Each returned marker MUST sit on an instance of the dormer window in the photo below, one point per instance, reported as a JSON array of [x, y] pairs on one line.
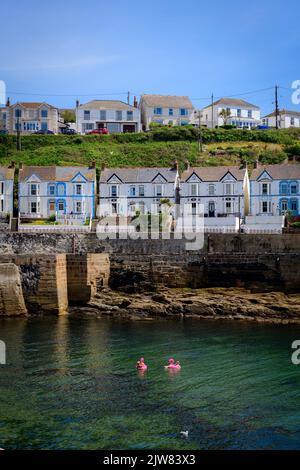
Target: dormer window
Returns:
[[18, 113], [114, 191], [194, 189], [33, 189], [44, 113], [265, 188], [228, 188], [158, 190], [211, 189], [78, 189]]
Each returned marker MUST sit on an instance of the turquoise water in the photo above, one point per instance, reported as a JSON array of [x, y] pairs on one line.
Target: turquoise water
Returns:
[[72, 383]]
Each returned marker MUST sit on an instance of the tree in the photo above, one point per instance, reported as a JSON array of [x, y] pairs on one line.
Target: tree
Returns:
[[225, 115], [68, 115]]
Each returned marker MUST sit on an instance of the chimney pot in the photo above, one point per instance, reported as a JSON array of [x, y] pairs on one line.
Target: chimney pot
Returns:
[[8, 102], [135, 103], [77, 103]]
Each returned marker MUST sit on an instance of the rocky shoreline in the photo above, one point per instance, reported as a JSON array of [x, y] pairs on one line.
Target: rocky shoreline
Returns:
[[181, 304]]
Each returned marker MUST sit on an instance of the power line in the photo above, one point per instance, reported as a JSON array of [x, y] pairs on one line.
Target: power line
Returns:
[[65, 94]]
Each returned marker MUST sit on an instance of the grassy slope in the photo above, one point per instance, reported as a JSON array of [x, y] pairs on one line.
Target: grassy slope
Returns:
[[157, 149]]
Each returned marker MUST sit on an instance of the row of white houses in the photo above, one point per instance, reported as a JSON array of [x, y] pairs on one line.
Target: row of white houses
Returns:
[[220, 195], [116, 116]]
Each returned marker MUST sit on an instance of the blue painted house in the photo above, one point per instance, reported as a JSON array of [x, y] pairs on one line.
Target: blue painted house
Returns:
[[66, 192], [275, 189]]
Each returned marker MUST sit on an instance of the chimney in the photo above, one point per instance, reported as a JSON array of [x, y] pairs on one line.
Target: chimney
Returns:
[[77, 103], [8, 102], [135, 102], [256, 164], [187, 165], [20, 166], [175, 165]]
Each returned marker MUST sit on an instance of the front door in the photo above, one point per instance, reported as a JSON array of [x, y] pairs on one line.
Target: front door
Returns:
[[211, 209]]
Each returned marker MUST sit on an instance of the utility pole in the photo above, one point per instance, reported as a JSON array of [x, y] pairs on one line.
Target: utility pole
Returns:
[[200, 133], [18, 134], [276, 105], [212, 111], [128, 97]]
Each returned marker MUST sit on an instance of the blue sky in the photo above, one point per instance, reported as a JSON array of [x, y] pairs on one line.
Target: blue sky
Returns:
[[102, 49]]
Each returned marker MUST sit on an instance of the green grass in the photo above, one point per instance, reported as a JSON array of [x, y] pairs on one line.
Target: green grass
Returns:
[[160, 147]]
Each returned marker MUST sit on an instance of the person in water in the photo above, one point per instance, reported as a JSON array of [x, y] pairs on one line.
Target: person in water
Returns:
[[172, 364], [140, 365]]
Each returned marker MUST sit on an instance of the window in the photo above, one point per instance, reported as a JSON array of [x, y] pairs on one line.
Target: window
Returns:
[[239, 112], [194, 189], [33, 189], [132, 191], [118, 115], [1, 187], [87, 126], [44, 126], [52, 190], [228, 188], [184, 123], [18, 113], [44, 113], [33, 207], [211, 189], [157, 110], [102, 115], [61, 206], [86, 115], [51, 205], [292, 121], [132, 208], [114, 208], [2, 205], [294, 188], [78, 189], [294, 205], [171, 111], [183, 112], [158, 190], [284, 188], [129, 115], [249, 113], [60, 189], [266, 207], [4, 116], [78, 207], [141, 191], [265, 188], [114, 191], [142, 207]]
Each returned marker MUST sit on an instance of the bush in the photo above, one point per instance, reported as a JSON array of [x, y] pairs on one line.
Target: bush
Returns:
[[268, 157], [293, 150]]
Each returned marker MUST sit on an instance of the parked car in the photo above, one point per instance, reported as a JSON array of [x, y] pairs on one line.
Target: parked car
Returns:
[[103, 130], [44, 132], [68, 131]]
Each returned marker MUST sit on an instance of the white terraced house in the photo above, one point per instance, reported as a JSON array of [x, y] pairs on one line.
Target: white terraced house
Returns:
[[113, 115], [166, 110], [214, 192], [6, 190], [124, 191], [238, 113], [285, 119], [66, 192], [275, 190]]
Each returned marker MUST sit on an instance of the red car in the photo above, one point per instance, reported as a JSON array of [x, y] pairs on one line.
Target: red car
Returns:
[[103, 130]]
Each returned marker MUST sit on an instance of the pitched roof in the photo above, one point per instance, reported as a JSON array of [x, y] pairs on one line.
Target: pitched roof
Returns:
[[284, 111], [138, 175], [8, 173], [233, 102], [167, 101], [56, 173], [107, 104], [282, 171], [27, 104], [214, 173]]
